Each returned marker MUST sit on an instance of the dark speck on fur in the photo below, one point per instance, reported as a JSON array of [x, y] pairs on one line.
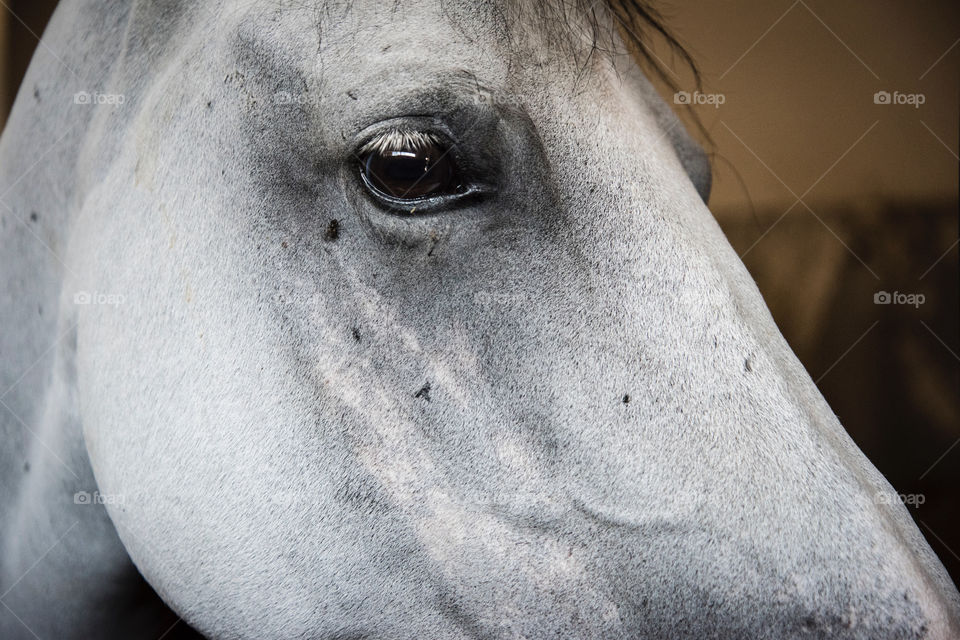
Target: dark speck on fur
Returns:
[[424, 392], [333, 230]]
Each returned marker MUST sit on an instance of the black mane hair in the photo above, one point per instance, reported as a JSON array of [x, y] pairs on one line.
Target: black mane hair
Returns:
[[637, 21]]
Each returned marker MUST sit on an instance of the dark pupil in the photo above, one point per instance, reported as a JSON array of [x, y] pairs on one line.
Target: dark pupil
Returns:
[[410, 173]]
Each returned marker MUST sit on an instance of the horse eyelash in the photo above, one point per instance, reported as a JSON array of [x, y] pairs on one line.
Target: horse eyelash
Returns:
[[400, 140]]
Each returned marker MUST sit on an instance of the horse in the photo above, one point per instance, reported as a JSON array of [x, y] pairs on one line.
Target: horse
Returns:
[[352, 319]]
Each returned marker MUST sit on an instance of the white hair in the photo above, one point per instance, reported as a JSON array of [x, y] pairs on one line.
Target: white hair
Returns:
[[400, 139]]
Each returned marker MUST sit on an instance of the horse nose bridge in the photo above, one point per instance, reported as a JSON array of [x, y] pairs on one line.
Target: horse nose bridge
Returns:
[[719, 425], [679, 400]]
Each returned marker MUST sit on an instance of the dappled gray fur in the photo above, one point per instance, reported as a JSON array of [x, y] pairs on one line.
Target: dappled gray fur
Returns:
[[556, 408]]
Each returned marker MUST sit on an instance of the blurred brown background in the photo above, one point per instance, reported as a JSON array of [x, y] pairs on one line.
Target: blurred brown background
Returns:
[[829, 197]]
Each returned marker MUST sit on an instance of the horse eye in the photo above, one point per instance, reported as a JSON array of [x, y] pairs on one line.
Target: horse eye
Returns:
[[409, 167]]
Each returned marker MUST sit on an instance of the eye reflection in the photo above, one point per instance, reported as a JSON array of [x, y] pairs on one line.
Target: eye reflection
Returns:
[[409, 165]]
